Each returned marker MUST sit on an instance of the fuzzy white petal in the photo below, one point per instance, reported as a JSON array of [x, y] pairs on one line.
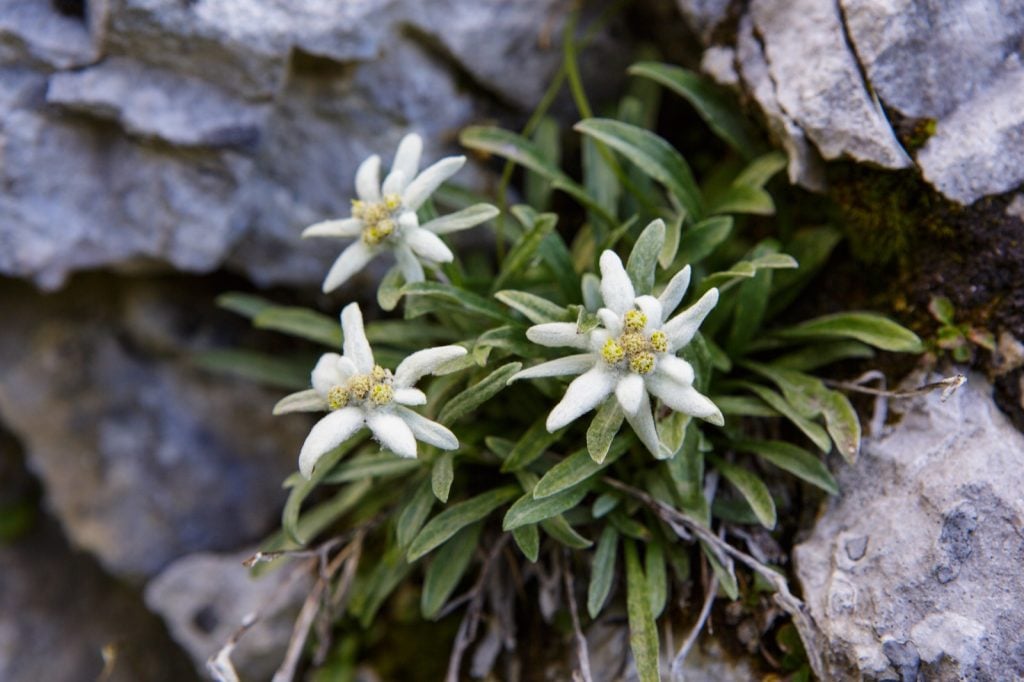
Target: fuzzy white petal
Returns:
[[674, 291], [410, 396], [355, 256], [611, 320], [394, 183], [684, 398], [681, 328], [309, 400], [674, 368], [349, 227], [427, 431], [368, 179], [461, 220], [643, 424], [412, 269], [630, 392], [616, 288], [328, 433], [429, 180], [355, 346], [428, 245], [407, 160], [557, 334], [407, 220], [327, 373], [586, 392], [570, 364], [392, 433], [424, 362], [651, 307], [598, 338]]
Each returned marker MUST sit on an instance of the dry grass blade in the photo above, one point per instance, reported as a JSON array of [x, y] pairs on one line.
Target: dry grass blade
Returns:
[[581, 641]]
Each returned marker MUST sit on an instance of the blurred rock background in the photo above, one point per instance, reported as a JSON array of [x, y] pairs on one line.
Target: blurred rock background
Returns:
[[155, 153]]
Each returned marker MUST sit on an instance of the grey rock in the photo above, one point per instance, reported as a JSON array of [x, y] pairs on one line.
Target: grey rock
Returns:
[[704, 16], [143, 456], [935, 593], [829, 101], [719, 62], [205, 598], [148, 102], [978, 150], [32, 33], [806, 167]]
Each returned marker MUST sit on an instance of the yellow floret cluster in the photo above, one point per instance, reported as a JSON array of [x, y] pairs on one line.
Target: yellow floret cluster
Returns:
[[375, 387], [633, 347], [378, 217]]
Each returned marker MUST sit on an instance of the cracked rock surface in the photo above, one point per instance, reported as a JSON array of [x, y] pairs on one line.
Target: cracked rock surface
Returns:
[[913, 572], [149, 133], [843, 74]]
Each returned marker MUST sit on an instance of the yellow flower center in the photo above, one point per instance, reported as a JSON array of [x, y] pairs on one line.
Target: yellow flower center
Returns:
[[375, 387], [379, 218], [637, 350]]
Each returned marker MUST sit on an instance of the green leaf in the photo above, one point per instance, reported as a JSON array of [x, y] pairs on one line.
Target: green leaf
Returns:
[[793, 459], [603, 428], [871, 328], [604, 503], [817, 434], [743, 199], [657, 577], [510, 338], [316, 520], [560, 530], [446, 570], [299, 493], [528, 540], [519, 150], [942, 309], [673, 231], [643, 259], [652, 154], [525, 248], [414, 514], [528, 510], [442, 475], [759, 171], [531, 445], [477, 394], [628, 526], [743, 406], [599, 179], [716, 105], [377, 465], [753, 489], [301, 322], [245, 305], [672, 430], [576, 468], [687, 472], [389, 293], [751, 303], [259, 367], [643, 632], [843, 425], [456, 517], [726, 574], [536, 309], [697, 242], [546, 138], [602, 571], [812, 248], [466, 301], [821, 354], [368, 597]]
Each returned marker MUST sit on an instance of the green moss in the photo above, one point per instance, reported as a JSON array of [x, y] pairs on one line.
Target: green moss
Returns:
[[884, 214]]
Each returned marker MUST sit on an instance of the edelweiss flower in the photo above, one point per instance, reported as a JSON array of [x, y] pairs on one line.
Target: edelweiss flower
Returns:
[[631, 354], [358, 393], [384, 216]]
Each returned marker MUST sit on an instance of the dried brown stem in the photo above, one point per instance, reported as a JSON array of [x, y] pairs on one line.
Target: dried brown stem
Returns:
[[581, 641]]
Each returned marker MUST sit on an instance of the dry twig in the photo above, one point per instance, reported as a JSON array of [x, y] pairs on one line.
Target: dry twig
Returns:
[[581, 641]]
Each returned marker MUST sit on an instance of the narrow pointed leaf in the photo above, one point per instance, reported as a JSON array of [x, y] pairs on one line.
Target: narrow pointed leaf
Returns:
[[871, 328], [528, 510], [657, 577], [576, 468], [414, 514], [442, 475], [643, 259], [477, 394], [536, 309], [602, 571], [527, 538], [643, 632], [793, 459], [446, 570], [602, 429], [753, 489], [456, 517]]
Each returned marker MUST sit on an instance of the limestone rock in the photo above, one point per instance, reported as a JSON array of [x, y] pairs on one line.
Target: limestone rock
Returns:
[[143, 456], [818, 84], [704, 16], [204, 598], [914, 571]]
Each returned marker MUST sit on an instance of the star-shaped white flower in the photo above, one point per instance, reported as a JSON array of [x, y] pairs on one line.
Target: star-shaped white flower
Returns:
[[631, 354], [358, 392], [384, 216]]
